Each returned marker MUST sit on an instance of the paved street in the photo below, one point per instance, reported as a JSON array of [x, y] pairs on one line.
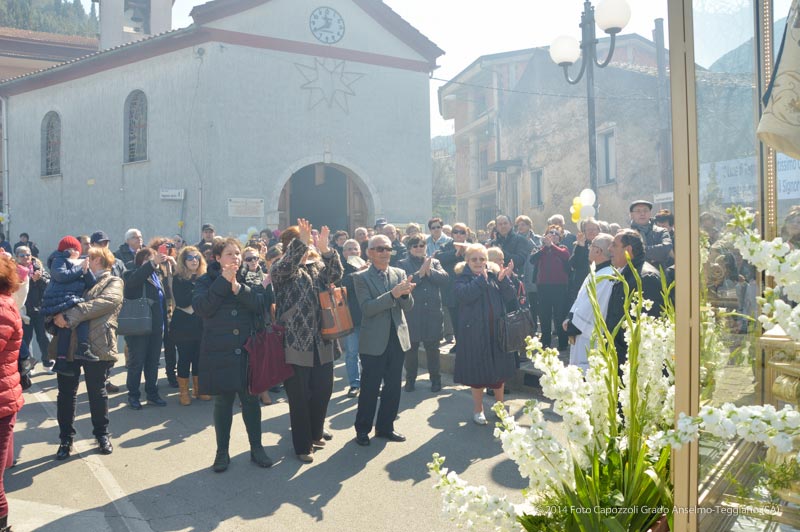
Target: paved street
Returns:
[[159, 477]]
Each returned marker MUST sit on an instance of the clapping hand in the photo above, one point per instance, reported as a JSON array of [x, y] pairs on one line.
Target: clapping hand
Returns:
[[581, 238], [404, 287], [85, 265], [507, 271], [425, 270]]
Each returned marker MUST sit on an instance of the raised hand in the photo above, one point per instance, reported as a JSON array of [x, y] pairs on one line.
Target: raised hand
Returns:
[[581, 238], [324, 238], [305, 230], [507, 271]]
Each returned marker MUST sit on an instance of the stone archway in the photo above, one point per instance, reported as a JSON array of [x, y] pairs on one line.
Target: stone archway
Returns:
[[326, 194]]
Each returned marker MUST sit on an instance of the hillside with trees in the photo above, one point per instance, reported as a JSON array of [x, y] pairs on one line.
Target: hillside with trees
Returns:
[[53, 16]]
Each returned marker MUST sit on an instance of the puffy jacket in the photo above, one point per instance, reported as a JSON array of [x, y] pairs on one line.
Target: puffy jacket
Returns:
[[448, 258], [101, 307], [228, 320], [67, 284], [10, 340]]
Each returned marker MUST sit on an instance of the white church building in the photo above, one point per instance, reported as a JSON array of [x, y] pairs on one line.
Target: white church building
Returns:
[[260, 112]]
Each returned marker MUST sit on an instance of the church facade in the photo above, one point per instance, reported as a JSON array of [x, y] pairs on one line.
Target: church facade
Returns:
[[260, 112]]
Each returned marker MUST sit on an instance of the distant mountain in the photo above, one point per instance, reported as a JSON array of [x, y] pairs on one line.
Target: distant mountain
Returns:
[[741, 59]]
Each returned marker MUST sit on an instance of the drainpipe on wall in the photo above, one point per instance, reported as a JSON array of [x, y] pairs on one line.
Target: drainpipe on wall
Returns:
[[4, 112]]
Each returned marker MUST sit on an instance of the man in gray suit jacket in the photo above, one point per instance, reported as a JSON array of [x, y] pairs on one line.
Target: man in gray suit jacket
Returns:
[[383, 293]]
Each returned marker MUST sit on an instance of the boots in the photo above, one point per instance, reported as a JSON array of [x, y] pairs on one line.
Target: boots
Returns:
[[196, 387], [436, 384], [183, 386]]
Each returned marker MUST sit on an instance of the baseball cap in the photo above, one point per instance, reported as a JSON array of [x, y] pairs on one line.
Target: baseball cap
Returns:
[[380, 222], [208, 227], [98, 236]]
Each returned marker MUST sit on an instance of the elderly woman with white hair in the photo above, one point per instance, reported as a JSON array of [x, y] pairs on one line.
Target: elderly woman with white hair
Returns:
[[482, 289], [579, 324]]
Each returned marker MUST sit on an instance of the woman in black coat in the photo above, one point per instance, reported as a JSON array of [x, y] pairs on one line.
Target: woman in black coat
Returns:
[[229, 309], [482, 290], [186, 327], [145, 350], [425, 319]]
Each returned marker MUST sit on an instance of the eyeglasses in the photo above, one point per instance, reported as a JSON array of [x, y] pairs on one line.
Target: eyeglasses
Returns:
[[250, 259], [419, 246], [436, 227], [458, 232], [381, 249], [554, 233], [192, 257], [23, 254]]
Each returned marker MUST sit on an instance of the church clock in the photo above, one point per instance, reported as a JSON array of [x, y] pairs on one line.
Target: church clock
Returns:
[[327, 25]]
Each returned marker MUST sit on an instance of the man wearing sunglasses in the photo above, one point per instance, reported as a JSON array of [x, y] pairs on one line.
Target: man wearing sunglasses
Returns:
[[437, 239], [384, 295]]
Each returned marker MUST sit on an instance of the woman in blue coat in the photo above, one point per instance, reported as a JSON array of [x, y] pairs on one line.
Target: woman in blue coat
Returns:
[[482, 290]]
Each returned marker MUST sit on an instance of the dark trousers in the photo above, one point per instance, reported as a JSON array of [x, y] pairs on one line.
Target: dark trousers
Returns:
[[223, 418], [432, 355], [36, 326], [454, 318], [6, 442], [386, 368], [143, 354], [309, 391], [552, 308], [170, 356], [533, 305], [188, 356], [64, 335], [94, 375]]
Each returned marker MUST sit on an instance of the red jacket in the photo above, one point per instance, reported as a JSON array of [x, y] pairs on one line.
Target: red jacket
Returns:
[[10, 340], [552, 265]]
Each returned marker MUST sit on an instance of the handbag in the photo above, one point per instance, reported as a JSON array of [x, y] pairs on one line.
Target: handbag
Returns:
[[266, 364], [336, 319], [135, 317], [779, 126], [514, 327]]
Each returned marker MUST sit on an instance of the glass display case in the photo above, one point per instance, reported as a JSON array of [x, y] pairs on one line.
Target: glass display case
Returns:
[[721, 57]]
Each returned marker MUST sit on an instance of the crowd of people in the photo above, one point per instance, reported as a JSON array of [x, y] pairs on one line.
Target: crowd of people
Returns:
[[428, 286]]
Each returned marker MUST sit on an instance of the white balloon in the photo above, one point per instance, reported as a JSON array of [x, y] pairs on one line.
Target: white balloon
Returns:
[[572, 209], [587, 211], [588, 196]]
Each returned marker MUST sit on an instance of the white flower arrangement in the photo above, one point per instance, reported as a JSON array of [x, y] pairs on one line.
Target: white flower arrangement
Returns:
[[620, 431]]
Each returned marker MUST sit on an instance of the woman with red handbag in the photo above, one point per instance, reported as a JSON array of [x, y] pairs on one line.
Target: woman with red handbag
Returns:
[[297, 278], [229, 308]]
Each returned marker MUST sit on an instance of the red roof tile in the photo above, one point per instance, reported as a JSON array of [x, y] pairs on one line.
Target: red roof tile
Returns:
[[55, 38]]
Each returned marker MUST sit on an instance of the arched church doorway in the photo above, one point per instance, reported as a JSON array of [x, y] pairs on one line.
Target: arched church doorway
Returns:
[[325, 194]]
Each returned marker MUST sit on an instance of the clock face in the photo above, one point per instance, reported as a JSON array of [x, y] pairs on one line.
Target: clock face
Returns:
[[327, 25]]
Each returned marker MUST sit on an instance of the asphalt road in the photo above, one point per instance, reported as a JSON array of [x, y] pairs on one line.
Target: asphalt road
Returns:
[[159, 476]]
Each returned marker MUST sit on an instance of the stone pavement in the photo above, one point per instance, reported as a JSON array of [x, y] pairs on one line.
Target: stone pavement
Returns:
[[159, 477]]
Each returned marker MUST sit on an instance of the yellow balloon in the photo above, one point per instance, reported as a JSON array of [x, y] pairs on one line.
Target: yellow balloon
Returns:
[[576, 216]]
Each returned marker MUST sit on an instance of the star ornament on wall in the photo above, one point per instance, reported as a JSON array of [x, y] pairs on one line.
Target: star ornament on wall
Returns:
[[328, 81]]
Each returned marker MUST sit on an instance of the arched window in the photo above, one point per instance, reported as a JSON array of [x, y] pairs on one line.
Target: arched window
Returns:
[[51, 144], [135, 127]]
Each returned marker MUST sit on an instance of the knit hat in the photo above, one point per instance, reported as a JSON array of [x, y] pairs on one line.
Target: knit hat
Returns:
[[69, 242]]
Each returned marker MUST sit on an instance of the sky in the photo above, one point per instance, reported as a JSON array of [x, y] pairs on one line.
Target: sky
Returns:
[[467, 29]]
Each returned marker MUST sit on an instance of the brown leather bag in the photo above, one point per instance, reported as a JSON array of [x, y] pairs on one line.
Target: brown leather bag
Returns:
[[336, 319]]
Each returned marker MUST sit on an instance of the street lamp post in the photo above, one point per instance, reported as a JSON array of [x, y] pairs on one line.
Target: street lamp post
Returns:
[[611, 17]]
